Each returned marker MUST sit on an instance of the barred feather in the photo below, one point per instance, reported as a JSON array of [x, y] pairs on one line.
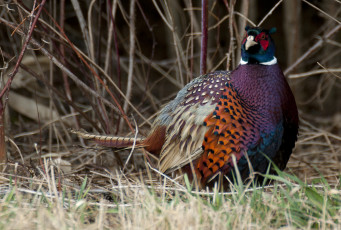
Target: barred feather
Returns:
[[110, 141]]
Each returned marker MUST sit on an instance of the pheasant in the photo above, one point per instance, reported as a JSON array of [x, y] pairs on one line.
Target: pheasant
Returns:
[[246, 117]]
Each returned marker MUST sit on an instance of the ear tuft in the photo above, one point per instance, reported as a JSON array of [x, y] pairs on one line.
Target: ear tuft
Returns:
[[272, 30]]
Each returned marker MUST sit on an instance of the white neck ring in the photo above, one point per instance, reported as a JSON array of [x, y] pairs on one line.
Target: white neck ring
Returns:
[[271, 62]]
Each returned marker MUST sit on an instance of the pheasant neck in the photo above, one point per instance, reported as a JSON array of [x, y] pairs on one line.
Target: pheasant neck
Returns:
[[260, 86], [271, 62]]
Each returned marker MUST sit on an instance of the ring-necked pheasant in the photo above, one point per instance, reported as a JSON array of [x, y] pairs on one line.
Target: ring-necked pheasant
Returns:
[[249, 111]]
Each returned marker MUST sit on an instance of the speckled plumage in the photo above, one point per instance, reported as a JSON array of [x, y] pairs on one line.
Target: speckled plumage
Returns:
[[247, 114], [184, 117], [249, 118]]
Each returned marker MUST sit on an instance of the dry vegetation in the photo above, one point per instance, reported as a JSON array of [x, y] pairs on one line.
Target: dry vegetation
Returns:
[[107, 66]]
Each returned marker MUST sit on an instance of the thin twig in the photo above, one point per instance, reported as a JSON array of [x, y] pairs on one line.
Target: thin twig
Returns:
[[27, 40], [269, 13], [170, 27], [112, 13], [90, 41], [131, 55], [330, 70], [133, 146], [99, 104], [177, 43], [312, 49], [96, 75], [230, 8], [60, 94], [315, 72], [318, 9], [246, 18], [204, 37], [242, 23], [164, 175], [65, 79], [3, 154], [82, 23], [118, 65]]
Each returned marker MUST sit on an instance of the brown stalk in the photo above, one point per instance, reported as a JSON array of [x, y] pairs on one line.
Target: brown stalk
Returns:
[[102, 113], [242, 23], [151, 55], [312, 49], [62, 67], [131, 54], [118, 66], [292, 10], [204, 37], [230, 8], [177, 43], [269, 13], [93, 72], [57, 92], [65, 78], [28, 37], [3, 156]]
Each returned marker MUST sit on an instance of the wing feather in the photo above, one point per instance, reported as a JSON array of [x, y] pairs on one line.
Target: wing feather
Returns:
[[184, 118]]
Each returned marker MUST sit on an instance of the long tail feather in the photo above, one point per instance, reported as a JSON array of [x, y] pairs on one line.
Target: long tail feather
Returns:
[[111, 141]]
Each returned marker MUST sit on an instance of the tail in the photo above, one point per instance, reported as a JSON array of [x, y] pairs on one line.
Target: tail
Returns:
[[111, 141]]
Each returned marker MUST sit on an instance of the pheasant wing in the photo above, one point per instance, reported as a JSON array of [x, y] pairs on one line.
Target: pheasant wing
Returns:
[[184, 118]]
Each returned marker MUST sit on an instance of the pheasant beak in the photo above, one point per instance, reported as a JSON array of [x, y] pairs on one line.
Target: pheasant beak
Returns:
[[250, 42]]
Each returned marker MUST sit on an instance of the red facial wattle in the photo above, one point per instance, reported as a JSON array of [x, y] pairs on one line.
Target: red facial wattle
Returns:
[[264, 44], [262, 38]]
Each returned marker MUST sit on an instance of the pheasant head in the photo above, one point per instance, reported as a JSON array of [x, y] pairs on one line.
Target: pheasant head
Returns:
[[258, 46]]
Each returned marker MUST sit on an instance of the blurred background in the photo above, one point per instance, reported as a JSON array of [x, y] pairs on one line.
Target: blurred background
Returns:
[[108, 66]]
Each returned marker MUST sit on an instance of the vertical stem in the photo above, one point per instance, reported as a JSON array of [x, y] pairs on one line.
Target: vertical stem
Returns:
[[292, 12], [11, 76], [118, 64], [112, 10], [82, 24], [21, 55], [151, 55], [93, 72], [192, 21], [242, 23], [3, 156], [131, 54], [231, 10], [204, 36], [65, 78]]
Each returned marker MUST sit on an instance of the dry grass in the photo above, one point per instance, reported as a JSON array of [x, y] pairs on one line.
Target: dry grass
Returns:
[[104, 200], [80, 71]]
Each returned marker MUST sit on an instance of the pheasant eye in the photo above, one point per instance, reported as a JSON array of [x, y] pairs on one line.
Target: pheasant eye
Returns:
[[262, 36]]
